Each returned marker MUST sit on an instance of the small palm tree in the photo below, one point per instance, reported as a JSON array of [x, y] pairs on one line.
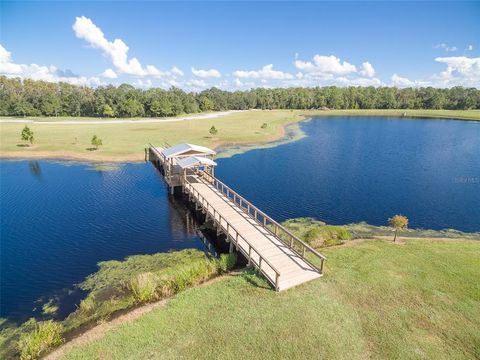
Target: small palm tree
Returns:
[[213, 130], [398, 222]]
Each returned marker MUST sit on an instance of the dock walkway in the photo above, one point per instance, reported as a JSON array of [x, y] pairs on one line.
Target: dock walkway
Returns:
[[280, 256]]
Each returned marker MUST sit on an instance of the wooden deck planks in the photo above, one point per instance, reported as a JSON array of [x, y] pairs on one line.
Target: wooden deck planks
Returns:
[[292, 268]]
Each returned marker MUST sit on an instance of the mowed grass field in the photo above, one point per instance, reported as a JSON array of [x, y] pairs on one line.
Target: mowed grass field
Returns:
[[127, 141], [378, 300]]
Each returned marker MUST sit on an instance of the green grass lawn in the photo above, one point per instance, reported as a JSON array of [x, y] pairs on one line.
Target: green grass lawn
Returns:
[[126, 142], [377, 300]]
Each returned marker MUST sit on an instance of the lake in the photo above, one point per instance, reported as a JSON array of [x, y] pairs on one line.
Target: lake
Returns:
[[59, 219]]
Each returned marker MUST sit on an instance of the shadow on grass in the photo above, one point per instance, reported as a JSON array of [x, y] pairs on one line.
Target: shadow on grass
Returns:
[[23, 145], [254, 278], [91, 149]]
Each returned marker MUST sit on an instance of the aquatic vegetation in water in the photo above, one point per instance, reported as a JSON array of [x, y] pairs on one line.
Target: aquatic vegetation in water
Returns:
[[116, 286]]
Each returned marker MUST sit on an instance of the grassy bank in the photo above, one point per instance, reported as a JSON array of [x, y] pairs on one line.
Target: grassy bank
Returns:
[[126, 142], [116, 287], [443, 114], [377, 300], [319, 234]]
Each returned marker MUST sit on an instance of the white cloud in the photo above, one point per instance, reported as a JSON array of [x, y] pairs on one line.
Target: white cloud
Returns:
[[197, 83], [5, 55], [116, 50], [460, 71], [174, 71], [238, 83], [445, 47], [109, 73], [40, 72], [204, 74], [469, 47], [265, 72], [145, 84], [325, 65], [360, 81], [402, 82], [367, 70]]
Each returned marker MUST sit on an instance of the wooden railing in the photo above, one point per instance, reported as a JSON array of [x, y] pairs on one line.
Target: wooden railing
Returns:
[[233, 235], [304, 250]]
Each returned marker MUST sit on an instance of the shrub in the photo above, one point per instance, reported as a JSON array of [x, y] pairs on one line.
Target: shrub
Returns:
[[144, 286], [87, 305], [213, 130], [46, 336], [264, 126], [226, 262], [27, 134], [96, 141]]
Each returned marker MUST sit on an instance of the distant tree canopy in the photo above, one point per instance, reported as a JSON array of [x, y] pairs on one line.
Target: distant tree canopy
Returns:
[[39, 98]]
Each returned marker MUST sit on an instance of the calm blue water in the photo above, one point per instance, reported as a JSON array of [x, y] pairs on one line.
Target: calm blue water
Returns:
[[367, 169], [58, 220]]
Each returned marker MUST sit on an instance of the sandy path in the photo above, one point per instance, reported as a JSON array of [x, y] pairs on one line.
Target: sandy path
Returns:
[[130, 121]]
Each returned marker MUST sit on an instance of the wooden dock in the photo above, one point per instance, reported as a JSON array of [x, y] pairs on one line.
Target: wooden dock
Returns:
[[283, 258]]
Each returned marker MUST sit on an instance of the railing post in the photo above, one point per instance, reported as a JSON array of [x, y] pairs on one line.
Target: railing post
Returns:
[[276, 280]]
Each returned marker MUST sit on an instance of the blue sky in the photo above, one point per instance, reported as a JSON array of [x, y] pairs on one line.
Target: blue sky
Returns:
[[238, 45]]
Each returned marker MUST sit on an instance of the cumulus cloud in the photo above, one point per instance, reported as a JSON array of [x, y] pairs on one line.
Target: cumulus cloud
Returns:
[[116, 50], [197, 83], [359, 81], [469, 47], [445, 47], [109, 73], [367, 70], [402, 82], [461, 70], [41, 72], [238, 82], [204, 74], [266, 72], [325, 65]]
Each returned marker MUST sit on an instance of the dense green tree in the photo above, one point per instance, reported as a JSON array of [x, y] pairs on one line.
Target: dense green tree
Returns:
[[27, 135], [108, 111], [35, 98], [96, 141]]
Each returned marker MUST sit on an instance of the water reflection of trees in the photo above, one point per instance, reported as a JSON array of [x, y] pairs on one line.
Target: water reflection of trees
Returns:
[[35, 168]]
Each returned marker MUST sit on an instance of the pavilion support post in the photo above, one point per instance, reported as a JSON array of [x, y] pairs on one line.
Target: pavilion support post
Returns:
[[231, 247]]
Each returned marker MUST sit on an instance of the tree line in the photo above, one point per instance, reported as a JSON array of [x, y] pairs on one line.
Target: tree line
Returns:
[[39, 98]]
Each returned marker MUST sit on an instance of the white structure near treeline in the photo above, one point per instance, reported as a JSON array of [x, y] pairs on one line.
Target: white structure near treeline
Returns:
[[181, 159]]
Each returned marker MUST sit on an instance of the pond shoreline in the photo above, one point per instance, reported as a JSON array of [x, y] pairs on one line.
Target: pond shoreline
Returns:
[[289, 132]]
